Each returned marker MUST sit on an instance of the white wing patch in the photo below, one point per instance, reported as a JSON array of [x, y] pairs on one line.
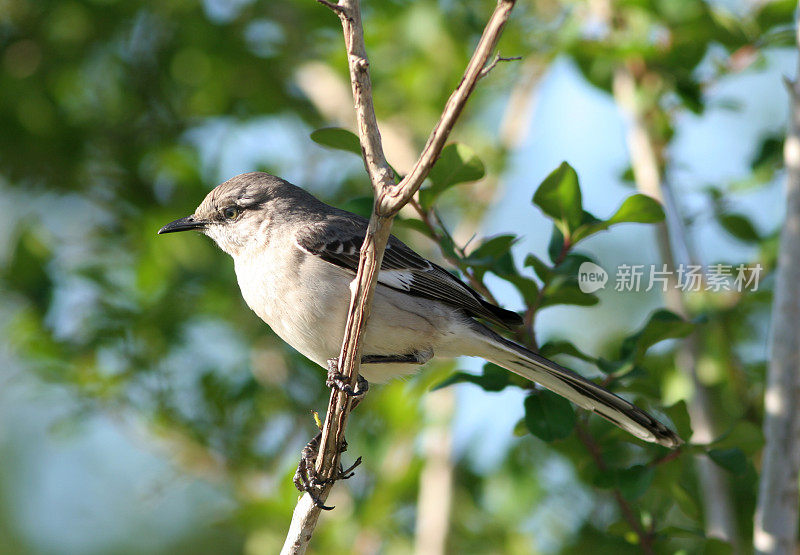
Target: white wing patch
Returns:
[[398, 279]]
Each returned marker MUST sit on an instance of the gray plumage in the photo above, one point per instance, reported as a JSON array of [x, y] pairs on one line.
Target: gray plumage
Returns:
[[295, 258]]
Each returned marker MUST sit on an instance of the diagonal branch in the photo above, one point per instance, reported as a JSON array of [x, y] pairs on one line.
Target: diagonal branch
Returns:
[[389, 199], [394, 198]]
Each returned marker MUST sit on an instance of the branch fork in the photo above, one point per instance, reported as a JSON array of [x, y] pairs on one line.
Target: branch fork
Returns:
[[332, 5], [497, 59], [389, 199]]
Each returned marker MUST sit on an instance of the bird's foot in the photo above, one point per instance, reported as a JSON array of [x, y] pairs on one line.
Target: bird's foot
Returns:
[[336, 380], [307, 479]]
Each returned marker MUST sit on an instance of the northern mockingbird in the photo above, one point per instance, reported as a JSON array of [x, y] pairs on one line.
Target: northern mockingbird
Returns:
[[295, 258]]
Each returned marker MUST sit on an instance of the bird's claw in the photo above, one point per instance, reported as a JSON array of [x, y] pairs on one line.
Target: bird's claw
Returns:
[[307, 479], [336, 380]]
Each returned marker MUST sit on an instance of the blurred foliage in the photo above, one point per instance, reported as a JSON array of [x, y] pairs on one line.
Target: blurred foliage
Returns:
[[109, 112]]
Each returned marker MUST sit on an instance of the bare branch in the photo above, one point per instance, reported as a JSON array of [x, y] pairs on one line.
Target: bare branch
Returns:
[[396, 197], [389, 199], [775, 529]]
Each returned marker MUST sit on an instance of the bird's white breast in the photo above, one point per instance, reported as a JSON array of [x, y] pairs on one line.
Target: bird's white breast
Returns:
[[289, 294], [305, 300]]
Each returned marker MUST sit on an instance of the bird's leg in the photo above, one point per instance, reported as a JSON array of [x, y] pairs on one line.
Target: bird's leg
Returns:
[[306, 477], [336, 380], [417, 357]]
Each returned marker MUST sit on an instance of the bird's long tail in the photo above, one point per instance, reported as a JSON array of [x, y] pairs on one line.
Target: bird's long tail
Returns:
[[576, 388]]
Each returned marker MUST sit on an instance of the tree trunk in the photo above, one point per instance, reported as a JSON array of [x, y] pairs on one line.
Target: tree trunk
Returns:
[[775, 528]]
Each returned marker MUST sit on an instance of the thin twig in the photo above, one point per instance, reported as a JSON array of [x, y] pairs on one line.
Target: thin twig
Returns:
[[473, 281], [671, 456], [497, 59], [389, 199], [332, 5], [396, 197]]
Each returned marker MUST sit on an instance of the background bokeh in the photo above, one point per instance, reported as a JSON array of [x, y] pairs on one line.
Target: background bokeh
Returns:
[[144, 408]]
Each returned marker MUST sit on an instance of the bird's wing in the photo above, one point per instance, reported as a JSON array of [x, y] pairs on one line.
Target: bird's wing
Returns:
[[338, 240]]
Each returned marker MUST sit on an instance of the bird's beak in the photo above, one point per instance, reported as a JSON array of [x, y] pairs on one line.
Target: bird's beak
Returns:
[[183, 224]]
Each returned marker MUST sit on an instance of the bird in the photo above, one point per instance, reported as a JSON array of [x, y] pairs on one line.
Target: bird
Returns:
[[295, 258]]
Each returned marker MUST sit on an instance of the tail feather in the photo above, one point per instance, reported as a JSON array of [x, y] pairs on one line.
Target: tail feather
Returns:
[[579, 390]]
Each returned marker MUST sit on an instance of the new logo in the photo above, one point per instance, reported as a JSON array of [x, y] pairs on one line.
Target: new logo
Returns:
[[591, 277]]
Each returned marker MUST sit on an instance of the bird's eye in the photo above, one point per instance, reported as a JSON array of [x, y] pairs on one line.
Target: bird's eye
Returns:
[[230, 212]]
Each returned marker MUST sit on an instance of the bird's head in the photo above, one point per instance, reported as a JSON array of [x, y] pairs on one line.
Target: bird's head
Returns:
[[237, 213]]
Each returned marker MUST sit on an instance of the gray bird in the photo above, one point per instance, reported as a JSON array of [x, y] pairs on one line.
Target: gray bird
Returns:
[[296, 256]]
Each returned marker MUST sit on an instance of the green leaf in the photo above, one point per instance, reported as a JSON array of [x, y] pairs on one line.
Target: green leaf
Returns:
[[561, 281], [543, 271], [490, 250], [627, 175], [632, 482], [661, 325], [520, 429], [679, 414], [745, 435], [641, 209], [634, 209], [447, 245], [494, 378], [740, 227], [494, 255], [559, 196], [686, 501], [548, 416], [567, 293], [552, 348], [26, 270], [555, 248], [769, 156], [526, 287], [413, 223], [613, 366], [691, 94], [587, 219], [732, 460], [457, 164], [571, 264], [338, 138]]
